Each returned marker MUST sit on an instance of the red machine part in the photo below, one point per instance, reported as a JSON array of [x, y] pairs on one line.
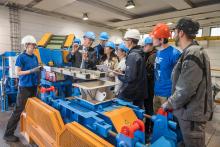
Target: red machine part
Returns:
[[162, 112], [44, 90], [50, 76], [130, 130]]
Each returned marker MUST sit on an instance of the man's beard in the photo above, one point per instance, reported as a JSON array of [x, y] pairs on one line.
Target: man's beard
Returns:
[[177, 40]]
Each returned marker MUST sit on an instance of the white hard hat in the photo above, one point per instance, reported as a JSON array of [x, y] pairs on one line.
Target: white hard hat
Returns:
[[132, 33], [28, 39]]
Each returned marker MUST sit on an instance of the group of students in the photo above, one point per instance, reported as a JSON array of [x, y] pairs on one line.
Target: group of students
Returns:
[[153, 76], [157, 75]]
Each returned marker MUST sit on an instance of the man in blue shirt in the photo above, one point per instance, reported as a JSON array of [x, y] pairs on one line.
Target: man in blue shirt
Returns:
[[27, 69], [166, 58]]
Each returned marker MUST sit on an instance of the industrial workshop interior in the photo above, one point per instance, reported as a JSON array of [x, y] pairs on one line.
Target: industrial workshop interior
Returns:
[[104, 73]]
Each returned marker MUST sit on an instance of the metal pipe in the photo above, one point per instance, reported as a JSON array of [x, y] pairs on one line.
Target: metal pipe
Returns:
[[113, 134], [147, 116], [215, 69]]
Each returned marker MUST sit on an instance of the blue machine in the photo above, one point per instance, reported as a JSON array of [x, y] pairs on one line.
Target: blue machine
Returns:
[[8, 79]]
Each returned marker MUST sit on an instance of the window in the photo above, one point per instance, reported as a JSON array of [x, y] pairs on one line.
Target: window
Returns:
[[172, 34], [146, 35], [199, 33], [215, 31]]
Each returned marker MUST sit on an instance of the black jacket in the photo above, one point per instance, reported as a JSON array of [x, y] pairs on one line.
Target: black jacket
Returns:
[[134, 80], [75, 59], [99, 50], [149, 61], [92, 61]]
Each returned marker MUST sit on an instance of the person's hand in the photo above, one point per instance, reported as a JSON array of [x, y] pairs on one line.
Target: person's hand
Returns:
[[36, 69], [166, 106], [85, 56], [117, 72], [75, 48]]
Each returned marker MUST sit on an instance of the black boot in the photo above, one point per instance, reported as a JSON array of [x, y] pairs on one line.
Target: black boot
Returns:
[[11, 138]]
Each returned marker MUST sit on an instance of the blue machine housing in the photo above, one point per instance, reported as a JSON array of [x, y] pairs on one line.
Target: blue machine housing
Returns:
[[91, 115], [9, 85], [51, 55]]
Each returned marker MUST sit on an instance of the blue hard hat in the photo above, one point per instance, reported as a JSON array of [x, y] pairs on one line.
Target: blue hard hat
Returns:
[[77, 40], [90, 35], [123, 47], [110, 44], [103, 36], [148, 40]]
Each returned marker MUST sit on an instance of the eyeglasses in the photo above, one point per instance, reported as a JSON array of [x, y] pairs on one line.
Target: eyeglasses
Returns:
[[127, 39], [32, 44]]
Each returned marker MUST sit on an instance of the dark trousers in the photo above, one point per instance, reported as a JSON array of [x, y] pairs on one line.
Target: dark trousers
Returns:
[[193, 133], [148, 105], [23, 94]]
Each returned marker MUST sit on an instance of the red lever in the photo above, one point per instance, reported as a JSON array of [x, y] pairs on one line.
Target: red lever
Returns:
[[162, 112], [130, 130], [44, 90]]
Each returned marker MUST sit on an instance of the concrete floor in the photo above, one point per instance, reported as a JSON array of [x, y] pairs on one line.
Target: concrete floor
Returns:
[[212, 131]]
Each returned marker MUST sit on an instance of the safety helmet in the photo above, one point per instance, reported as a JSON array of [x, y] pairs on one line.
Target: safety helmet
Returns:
[[148, 40], [28, 39], [110, 44], [188, 26], [103, 36], [133, 34], [161, 30], [123, 47], [77, 40], [90, 35]]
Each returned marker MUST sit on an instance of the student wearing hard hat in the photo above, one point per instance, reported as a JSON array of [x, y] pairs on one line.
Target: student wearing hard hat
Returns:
[[110, 59], [89, 56], [166, 58], [121, 53], [150, 55], [75, 57], [89, 59], [134, 81], [27, 69], [191, 98], [103, 37]]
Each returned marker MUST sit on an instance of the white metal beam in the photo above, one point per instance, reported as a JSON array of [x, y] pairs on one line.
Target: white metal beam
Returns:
[[173, 20], [170, 15], [180, 4], [205, 22]]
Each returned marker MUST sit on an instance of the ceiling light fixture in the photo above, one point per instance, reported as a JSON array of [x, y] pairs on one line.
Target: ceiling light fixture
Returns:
[[169, 23], [85, 16], [130, 4]]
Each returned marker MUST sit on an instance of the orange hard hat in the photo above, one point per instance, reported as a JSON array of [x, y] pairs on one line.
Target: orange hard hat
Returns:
[[161, 30]]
